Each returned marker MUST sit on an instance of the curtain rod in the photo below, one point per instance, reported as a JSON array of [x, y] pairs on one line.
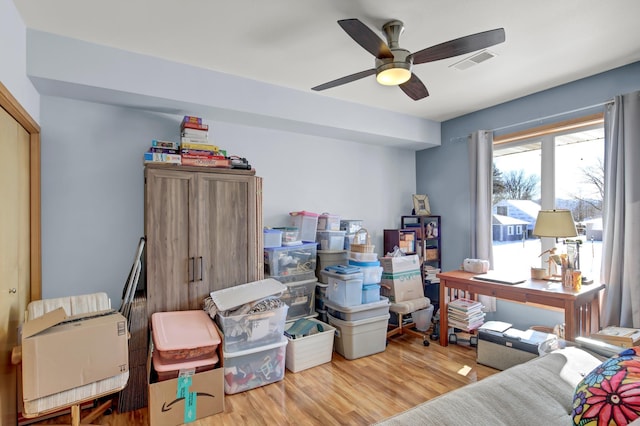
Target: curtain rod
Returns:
[[551, 116]]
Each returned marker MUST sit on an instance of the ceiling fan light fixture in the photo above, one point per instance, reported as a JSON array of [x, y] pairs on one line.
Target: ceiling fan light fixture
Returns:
[[393, 74]]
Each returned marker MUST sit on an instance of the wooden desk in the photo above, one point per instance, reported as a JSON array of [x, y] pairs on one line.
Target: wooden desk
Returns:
[[581, 308]]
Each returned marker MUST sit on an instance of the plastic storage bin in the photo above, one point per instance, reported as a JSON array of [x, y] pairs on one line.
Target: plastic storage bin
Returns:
[[370, 293], [300, 297], [371, 271], [328, 222], [249, 331], [364, 311], [344, 289], [183, 335], [330, 240], [351, 225], [328, 258], [310, 351], [272, 238], [255, 367], [307, 224], [292, 263], [170, 370], [363, 257], [289, 235], [356, 339]]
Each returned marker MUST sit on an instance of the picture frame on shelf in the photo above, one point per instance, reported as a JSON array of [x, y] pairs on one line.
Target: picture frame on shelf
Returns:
[[421, 205]]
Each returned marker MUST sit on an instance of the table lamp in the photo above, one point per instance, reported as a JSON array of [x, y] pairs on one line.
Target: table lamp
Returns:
[[556, 224]]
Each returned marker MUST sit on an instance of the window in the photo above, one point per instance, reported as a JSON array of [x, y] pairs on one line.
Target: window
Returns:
[[559, 168]]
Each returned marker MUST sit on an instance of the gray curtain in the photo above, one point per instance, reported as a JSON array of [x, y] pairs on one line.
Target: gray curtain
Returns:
[[621, 213], [481, 174]]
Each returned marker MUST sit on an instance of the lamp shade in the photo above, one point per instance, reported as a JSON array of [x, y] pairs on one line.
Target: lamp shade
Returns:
[[555, 223]]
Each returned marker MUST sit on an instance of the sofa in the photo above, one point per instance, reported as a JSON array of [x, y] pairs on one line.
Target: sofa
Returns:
[[567, 386]]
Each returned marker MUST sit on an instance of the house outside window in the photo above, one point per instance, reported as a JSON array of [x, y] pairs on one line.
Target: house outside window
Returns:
[[562, 169]]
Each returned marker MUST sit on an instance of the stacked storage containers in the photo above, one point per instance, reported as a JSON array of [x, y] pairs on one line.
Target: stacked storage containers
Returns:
[[252, 318], [183, 340]]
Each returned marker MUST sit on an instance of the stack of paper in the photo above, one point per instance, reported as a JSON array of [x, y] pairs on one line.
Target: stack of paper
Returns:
[[465, 314], [619, 336]]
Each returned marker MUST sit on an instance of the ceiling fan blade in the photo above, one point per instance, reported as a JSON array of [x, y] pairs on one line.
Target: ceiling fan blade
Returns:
[[346, 79], [414, 88], [366, 38], [459, 46]]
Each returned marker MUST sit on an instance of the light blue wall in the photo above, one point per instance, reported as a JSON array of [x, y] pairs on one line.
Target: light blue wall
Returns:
[[442, 172], [13, 51], [92, 185]]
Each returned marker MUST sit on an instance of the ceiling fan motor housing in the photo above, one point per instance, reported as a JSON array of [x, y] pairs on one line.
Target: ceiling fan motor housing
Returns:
[[401, 61]]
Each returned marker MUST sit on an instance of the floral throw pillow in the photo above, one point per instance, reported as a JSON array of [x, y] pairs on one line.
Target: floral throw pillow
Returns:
[[610, 394]]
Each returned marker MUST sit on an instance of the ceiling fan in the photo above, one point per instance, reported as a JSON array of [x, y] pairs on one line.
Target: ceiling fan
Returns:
[[393, 64]]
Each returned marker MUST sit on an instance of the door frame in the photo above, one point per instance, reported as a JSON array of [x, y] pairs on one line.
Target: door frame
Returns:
[[10, 104]]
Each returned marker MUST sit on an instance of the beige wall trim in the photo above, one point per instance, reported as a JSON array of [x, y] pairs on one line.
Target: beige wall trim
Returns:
[[13, 107], [573, 124]]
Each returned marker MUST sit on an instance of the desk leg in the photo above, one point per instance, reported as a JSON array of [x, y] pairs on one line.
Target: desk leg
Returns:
[[570, 321], [444, 320]]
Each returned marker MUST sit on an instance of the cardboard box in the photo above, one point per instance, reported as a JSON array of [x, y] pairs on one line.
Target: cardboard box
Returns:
[[393, 265], [402, 286], [185, 399], [61, 353]]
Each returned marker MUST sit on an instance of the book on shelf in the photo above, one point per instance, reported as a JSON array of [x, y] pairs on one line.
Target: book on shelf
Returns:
[[157, 157], [206, 162], [192, 139], [189, 151], [193, 133], [165, 144], [210, 156], [192, 119], [620, 336], [164, 150], [193, 126], [200, 146]]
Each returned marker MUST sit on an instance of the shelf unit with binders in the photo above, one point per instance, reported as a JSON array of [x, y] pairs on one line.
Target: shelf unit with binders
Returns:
[[429, 248]]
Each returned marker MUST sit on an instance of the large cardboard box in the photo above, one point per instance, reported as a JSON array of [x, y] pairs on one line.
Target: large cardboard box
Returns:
[[187, 398], [402, 286], [61, 353], [393, 265]]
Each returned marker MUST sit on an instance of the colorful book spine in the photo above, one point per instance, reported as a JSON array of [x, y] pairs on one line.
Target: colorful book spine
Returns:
[[200, 146], [165, 144], [164, 150], [206, 162], [156, 157], [194, 126], [193, 133], [191, 119]]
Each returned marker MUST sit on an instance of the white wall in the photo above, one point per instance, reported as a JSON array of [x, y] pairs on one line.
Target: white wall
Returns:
[[92, 185], [13, 74]]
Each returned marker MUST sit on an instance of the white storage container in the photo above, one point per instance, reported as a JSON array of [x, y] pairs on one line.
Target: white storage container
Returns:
[[307, 224], [356, 339], [329, 258], [330, 240], [370, 293], [272, 238], [371, 271], [310, 351], [300, 297], [363, 257], [328, 222], [351, 225], [255, 367], [344, 289], [291, 263], [360, 312]]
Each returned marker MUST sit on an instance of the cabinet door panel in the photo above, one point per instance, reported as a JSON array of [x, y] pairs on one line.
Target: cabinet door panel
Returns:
[[227, 231], [170, 248]]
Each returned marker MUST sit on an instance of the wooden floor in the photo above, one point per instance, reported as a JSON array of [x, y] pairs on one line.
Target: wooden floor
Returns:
[[343, 392]]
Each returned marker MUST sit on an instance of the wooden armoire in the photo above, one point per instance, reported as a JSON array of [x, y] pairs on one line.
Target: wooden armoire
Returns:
[[203, 230]]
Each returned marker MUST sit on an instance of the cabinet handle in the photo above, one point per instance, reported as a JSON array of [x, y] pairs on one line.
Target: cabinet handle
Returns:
[[193, 269], [201, 269], [13, 290]]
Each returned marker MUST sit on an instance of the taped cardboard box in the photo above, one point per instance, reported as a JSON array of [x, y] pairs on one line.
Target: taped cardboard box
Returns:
[[61, 353], [393, 265], [402, 286], [189, 397]]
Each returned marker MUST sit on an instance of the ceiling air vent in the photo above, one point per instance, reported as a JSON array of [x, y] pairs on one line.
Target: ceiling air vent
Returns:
[[473, 60]]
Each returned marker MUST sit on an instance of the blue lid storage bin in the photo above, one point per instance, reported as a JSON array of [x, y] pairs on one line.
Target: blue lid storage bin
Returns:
[[372, 271], [370, 293]]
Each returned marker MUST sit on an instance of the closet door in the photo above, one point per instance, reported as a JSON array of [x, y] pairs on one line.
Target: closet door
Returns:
[[229, 231], [170, 217], [14, 252]]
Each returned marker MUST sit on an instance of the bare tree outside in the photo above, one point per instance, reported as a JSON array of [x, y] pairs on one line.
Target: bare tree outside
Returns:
[[518, 186]]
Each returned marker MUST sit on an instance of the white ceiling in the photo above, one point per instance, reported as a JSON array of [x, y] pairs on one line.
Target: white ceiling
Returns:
[[298, 44]]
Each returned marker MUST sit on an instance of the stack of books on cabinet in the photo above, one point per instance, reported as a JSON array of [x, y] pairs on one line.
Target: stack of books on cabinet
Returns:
[[465, 314], [196, 149]]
